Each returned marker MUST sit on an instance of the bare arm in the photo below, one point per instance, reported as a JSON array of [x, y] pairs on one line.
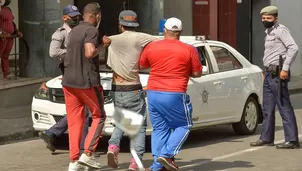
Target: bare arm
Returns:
[[90, 50], [196, 74], [91, 43]]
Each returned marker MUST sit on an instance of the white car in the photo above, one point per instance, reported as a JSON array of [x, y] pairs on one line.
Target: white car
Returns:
[[229, 92]]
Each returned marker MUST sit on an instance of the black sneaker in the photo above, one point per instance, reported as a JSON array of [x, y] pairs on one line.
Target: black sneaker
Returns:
[[49, 141], [261, 143], [289, 145]]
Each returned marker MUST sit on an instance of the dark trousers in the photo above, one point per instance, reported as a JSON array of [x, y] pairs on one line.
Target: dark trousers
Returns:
[[61, 127], [270, 100]]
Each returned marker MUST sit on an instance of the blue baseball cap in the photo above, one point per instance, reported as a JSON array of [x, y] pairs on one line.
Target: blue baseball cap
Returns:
[[71, 11]]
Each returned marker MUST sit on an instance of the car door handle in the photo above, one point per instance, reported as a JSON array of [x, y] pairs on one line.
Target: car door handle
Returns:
[[217, 82], [244, 78]]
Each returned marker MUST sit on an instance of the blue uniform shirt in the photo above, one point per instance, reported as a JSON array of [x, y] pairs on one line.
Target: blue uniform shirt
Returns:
[[278, 41]]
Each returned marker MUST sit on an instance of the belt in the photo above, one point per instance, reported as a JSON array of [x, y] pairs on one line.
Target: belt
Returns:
[[272, 68], [124, 88]]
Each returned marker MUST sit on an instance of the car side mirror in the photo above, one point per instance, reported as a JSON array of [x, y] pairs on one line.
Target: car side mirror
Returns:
[[128, 121], [205, 70]]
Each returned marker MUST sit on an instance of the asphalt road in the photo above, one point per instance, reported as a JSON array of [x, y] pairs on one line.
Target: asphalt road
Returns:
[[216, 148]]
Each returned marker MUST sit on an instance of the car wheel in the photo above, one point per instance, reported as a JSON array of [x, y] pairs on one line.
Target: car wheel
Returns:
[[250, 118]]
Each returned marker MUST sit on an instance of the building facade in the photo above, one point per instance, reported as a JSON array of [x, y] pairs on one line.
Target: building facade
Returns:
[[236, 22]]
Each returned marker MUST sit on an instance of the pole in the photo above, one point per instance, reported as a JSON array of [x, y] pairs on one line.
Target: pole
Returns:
[[38, 20]]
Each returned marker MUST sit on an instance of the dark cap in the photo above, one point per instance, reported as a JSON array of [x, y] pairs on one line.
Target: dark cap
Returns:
[[92, 8], [71, 11], [128, 18], [269, 10]]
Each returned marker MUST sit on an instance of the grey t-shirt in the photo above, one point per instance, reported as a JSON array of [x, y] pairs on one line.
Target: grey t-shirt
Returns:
[[124, 53]]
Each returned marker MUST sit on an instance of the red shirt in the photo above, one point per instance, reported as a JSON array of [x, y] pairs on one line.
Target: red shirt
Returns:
[[172, 63], [6, 20]]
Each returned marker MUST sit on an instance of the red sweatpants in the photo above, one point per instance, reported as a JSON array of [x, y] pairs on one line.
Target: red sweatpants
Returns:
[[75, 100], [6, 46]]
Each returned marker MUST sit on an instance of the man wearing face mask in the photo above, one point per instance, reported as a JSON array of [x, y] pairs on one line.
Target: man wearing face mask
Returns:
[[71, 17], [81, 85], [7, 28], [57, 50], [278, 41]]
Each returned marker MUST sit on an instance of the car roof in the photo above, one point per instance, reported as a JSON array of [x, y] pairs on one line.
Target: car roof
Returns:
[[200, 41], [192, 40]]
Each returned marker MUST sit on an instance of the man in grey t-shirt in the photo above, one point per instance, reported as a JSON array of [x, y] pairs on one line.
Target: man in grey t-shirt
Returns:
[[127, 91]]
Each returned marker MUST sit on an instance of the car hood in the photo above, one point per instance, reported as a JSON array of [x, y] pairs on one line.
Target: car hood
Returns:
[[106, 79]]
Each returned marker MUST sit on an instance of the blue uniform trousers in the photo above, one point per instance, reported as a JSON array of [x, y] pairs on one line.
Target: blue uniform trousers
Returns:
[[171, 118], [61, 127], [270, 100]]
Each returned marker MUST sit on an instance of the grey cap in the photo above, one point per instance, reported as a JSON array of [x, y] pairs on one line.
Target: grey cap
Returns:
[[128, 18], [269, 10]]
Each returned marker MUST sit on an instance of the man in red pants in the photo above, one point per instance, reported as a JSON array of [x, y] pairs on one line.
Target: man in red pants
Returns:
[[81, 84], [7, 28]]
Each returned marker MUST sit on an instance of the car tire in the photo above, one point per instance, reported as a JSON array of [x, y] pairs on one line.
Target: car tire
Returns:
[[250, 118]]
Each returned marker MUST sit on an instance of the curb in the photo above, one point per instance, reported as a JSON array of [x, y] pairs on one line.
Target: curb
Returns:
[[22, 135]]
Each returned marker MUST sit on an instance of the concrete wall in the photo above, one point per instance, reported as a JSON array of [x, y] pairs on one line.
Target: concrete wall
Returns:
[[150, 12], [289, 12], [38, 27], [181, 9], [258, 33]]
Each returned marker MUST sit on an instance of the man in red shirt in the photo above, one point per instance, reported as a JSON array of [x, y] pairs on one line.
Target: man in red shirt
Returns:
[[172, 63]]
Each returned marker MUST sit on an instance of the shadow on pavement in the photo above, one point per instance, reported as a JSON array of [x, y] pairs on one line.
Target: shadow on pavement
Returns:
[[213, 135], [197, 138], [196, 165]]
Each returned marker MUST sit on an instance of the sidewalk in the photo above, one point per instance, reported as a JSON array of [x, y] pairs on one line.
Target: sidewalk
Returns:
[[16, 123], [295, 85]]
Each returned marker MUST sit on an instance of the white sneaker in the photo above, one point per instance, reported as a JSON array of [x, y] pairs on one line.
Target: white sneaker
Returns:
[[89, 161], [75, 166]]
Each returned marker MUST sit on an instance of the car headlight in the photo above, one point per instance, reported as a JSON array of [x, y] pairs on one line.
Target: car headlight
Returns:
[[43, 92]]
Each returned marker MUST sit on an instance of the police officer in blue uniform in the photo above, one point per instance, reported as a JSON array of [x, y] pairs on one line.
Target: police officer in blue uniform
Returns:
[[280, 52]]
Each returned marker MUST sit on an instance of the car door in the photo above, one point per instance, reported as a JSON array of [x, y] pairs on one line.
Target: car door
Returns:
[[231, 78], [203, 94]]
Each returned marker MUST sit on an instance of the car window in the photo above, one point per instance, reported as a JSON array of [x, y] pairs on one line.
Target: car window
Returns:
[[204, 59], [225, 59]]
